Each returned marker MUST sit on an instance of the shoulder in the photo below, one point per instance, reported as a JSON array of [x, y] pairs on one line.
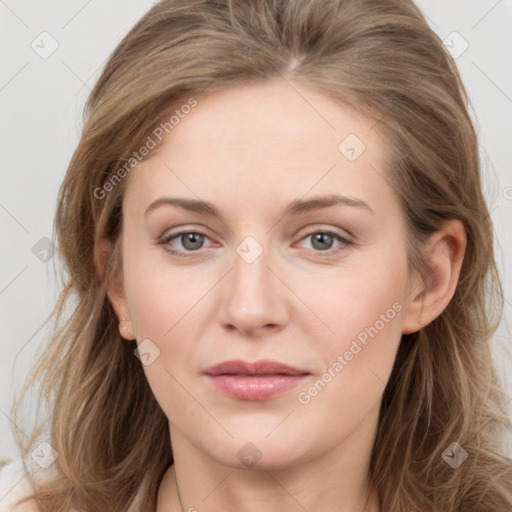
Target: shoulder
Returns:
[[16, 491]]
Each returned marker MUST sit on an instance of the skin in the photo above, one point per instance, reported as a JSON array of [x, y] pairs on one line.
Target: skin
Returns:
[[251, 150]]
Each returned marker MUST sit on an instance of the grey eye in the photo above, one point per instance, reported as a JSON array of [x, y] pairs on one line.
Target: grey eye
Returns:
[[191, 240], [322, 241]]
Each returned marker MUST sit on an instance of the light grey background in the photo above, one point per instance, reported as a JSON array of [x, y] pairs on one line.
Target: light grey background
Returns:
[[41, 99]]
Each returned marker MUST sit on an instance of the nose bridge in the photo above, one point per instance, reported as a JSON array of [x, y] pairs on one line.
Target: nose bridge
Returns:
[[250, 269], [254, 299], [250, 273]]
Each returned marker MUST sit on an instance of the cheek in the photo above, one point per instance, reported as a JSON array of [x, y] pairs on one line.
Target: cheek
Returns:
[[363, 308], [164, 303], [160, 295], [353, 301], [162, 320]]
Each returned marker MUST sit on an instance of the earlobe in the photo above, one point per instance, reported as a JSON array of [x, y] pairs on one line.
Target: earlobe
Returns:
[[117, 299], [126, 330], [429, 298], [104, 251]]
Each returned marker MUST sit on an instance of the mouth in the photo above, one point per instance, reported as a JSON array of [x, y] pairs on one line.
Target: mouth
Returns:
[[259, 380]]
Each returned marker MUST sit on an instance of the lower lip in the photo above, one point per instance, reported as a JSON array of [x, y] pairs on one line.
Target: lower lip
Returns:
[[253, 388]]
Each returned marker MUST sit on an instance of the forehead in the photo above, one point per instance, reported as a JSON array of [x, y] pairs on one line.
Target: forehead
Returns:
[[275, 113], [272, 138]]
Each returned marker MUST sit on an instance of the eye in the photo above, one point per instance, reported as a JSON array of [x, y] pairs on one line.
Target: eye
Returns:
[[322, 241], [193, 241], [190, 241]]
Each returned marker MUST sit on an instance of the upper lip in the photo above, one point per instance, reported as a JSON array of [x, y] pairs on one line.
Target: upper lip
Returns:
[[262, 367]]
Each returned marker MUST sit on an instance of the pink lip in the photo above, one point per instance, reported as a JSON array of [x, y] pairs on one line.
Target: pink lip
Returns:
[[260, 380]]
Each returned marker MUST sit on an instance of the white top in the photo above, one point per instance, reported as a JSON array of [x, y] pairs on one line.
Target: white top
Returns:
[[14, 487]]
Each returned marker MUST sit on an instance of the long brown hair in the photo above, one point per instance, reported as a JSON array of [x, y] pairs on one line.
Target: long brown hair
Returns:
[[378, 56]]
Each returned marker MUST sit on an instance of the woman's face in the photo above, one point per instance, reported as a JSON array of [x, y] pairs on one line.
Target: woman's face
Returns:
[[302, 264]]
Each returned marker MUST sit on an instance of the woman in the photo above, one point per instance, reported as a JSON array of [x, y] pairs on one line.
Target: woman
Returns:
[[277, 247]]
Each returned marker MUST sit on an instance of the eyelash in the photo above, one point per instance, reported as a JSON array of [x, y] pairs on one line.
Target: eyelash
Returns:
[[345, 243]]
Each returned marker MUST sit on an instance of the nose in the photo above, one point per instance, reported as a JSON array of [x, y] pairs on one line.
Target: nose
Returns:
[[255, 300]]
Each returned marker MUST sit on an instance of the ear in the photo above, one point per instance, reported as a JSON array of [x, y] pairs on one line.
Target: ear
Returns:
[[103, 253], [444, 254]]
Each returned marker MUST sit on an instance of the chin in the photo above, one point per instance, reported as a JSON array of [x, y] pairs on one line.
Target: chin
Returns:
[[255, 451]]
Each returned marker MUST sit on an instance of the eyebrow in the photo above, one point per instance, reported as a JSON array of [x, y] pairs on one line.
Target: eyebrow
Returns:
[[296, 207]]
